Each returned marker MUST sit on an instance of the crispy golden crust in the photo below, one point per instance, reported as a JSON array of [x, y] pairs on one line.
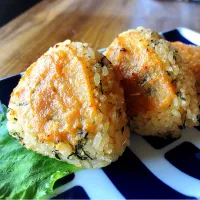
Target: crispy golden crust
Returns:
[[159, 89], [191, 57], [147, 85], [53, 95], [69, 105]]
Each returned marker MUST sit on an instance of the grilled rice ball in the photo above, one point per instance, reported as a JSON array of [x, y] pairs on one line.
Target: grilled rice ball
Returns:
[[159, 90], [191, 58], [69, 105]]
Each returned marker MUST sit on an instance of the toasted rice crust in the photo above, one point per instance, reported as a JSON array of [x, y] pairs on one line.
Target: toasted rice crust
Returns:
[[43, 109], [191, 58], [182, 110]]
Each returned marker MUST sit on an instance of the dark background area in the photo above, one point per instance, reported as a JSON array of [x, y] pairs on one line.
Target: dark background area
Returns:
[[9, 9]]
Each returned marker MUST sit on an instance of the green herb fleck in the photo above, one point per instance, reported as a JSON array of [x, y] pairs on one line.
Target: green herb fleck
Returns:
[[80, 153], [174, 81], [56, 154], [101, 87], [22, 104], [143, 81], [169, 73], [180, 95], [183, 126], [150, 90]]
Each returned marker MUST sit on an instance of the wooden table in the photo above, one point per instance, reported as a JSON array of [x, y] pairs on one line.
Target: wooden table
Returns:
[[96, 22]]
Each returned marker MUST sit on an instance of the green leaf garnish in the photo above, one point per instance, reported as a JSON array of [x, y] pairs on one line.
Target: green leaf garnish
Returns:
[[25, 174]]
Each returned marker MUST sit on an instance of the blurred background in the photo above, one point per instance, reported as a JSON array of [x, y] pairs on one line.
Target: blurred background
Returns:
[[29, 27], [161, 13], [9, 9]]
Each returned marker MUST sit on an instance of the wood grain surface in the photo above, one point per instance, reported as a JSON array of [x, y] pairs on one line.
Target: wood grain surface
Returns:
[[96, 22]]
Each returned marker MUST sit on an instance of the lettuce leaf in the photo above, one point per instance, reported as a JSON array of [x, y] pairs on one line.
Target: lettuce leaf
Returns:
[[25, 174]]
